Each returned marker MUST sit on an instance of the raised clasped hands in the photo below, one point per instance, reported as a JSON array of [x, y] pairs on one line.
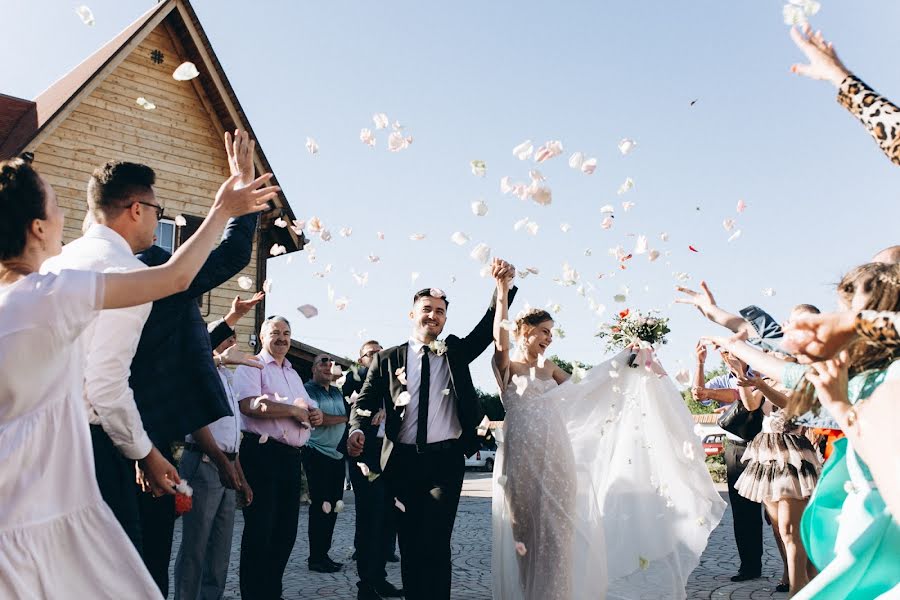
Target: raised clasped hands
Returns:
[[503, 272]]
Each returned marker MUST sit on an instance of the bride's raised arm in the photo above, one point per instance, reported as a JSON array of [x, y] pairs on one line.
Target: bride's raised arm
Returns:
[[501, 334]]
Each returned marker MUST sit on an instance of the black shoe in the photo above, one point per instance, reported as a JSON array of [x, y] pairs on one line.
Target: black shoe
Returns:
[[320, 566], [782, 587], [393, 558], [386, 589], [743, 576], [328, 560]]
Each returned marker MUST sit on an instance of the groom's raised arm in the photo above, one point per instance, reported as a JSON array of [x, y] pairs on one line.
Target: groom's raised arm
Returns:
[[482, 335]]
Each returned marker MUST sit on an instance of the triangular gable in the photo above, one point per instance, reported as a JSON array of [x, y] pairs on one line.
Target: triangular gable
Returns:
[[52, 106]]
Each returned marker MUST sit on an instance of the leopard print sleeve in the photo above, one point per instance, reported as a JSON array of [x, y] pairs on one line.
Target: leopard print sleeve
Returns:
[[880, 327], [877, 113]]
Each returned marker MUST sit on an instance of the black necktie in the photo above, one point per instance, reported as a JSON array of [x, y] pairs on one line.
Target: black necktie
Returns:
[[424, 388]]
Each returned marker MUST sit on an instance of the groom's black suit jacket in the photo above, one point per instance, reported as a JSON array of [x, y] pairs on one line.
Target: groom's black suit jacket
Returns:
[[382, 386]]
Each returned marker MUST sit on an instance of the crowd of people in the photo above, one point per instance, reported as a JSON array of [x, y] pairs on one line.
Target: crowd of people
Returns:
[[101, 338]]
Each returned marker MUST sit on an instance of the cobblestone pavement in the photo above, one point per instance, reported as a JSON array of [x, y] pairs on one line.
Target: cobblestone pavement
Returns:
[[472, 557]]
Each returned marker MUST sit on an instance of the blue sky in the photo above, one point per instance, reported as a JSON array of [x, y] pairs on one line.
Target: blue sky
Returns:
[[470, 80]]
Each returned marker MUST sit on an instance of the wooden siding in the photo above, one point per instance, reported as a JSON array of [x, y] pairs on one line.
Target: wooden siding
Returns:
[[180, 140]]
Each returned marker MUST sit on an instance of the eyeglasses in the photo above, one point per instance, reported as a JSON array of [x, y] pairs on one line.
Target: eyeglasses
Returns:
[[160, 211], [369, 354]]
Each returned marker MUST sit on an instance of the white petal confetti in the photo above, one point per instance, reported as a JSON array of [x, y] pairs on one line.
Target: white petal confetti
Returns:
[[180, 221], [363, 412], [373, 258], [735, 235], [311, 146], [481, 253], [688, 449], [627, 145], [87, 17], [728, 224], [367, 137], [626, 205], [280, 222], [607, 209], [479, 168], [245, 283], [653, 255], [145, 104], [576, 160], [626, 185], [521, 382], [479, 208], [403, 399], [264, 438], [607, 222], [346, 232], [436, 493], [364, 468], [414, 276], [532, 228], [565, 227], [308, 310], [267, 286], [341, 303], [339, 506], [184, 488], [185, 72], [315, 225], [640, 246], [399, 505], [664, 236], [417, 237], [277, 249], [548, 151], [381, 120], [397, 142], [768, 292], [589, 166], [523, 151], [508, 325], [459, 238], [361, 278], [326, 507]]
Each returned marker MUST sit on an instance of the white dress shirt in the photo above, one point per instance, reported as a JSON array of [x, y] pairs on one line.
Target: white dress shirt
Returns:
[[443, 422], [227, 430], [110, 341]]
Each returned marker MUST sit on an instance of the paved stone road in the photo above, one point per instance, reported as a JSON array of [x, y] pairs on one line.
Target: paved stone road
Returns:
[[472, 557]]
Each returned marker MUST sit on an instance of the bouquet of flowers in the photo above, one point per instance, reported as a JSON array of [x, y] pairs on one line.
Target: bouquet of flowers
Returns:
[[631, 327]]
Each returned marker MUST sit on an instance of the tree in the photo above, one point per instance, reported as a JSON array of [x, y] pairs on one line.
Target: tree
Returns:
[[491, 405], [566, 365], [695, 407]]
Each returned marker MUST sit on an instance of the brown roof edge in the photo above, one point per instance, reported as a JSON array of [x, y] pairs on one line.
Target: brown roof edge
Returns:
[[285, 237], [18, 119], [55, 98]]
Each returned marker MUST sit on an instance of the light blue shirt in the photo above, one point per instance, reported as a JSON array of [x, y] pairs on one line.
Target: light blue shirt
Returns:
[[325, 438]]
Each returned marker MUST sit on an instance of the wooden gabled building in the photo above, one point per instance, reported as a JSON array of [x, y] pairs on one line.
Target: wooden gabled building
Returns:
[[91, 115]]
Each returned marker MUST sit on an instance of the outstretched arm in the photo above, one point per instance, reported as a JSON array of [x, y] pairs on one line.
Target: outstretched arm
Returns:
[[759, 361], [501, 334], [482, 334], [706, 304], [879, 116], [146, 285]]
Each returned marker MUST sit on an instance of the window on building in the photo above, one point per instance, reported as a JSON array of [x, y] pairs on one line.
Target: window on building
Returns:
[[165, 235]]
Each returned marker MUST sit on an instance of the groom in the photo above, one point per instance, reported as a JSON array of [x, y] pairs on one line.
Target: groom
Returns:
[[432, 416]]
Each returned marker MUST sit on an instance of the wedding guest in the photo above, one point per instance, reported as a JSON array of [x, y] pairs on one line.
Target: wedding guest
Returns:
[[746, 513], [276, 421], [59, 538], [175, 342], [375, 535], [781, 470], [211, 464], [854, 553], [878, 114], [323, 464], [124, 213]]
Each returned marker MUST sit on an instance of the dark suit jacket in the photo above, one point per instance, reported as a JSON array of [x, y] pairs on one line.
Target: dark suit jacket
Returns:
[[382, 386], [219, 331], [176, 387]]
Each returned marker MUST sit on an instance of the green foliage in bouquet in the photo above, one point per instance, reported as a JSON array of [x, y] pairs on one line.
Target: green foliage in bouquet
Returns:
[[630, 326]]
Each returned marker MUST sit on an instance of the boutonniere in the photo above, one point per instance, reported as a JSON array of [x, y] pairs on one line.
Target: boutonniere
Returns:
[[439, 347]]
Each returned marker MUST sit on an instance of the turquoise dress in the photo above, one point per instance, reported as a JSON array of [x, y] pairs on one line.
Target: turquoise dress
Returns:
[[847, 530]]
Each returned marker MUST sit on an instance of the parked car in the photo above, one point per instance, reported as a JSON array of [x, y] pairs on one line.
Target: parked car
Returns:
[[714, 444], [483, 459]]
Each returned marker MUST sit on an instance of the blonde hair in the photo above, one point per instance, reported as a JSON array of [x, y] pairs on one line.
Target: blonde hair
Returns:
[[881, 284]]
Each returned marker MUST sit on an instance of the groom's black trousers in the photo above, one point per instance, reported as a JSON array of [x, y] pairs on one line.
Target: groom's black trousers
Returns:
[[747, 515], [428, 485]]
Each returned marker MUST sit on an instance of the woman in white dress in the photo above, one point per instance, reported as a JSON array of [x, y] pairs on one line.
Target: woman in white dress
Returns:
[[58, 539], [600, 484]]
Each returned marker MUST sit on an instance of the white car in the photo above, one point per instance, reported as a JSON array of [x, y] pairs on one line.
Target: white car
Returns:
[[483, 459]]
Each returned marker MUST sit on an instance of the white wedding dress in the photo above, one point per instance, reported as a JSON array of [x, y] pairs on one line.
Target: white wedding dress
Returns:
[[600, 488]]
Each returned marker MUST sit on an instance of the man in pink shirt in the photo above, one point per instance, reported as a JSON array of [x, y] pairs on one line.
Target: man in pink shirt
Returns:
[[277, 414]]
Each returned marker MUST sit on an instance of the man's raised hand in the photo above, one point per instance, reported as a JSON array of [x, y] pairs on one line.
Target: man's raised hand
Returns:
[[240, 150]]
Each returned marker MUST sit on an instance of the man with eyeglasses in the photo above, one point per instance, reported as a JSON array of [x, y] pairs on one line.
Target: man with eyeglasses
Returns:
[[122, 214], [375, 538]]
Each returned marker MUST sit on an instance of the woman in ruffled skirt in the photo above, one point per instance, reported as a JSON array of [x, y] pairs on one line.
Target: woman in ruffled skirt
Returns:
[[782, 470]]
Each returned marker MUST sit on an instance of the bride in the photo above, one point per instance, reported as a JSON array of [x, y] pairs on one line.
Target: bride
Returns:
[[600, 486]]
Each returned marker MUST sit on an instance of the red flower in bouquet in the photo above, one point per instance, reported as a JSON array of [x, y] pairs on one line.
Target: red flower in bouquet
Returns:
[[624, 313]]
